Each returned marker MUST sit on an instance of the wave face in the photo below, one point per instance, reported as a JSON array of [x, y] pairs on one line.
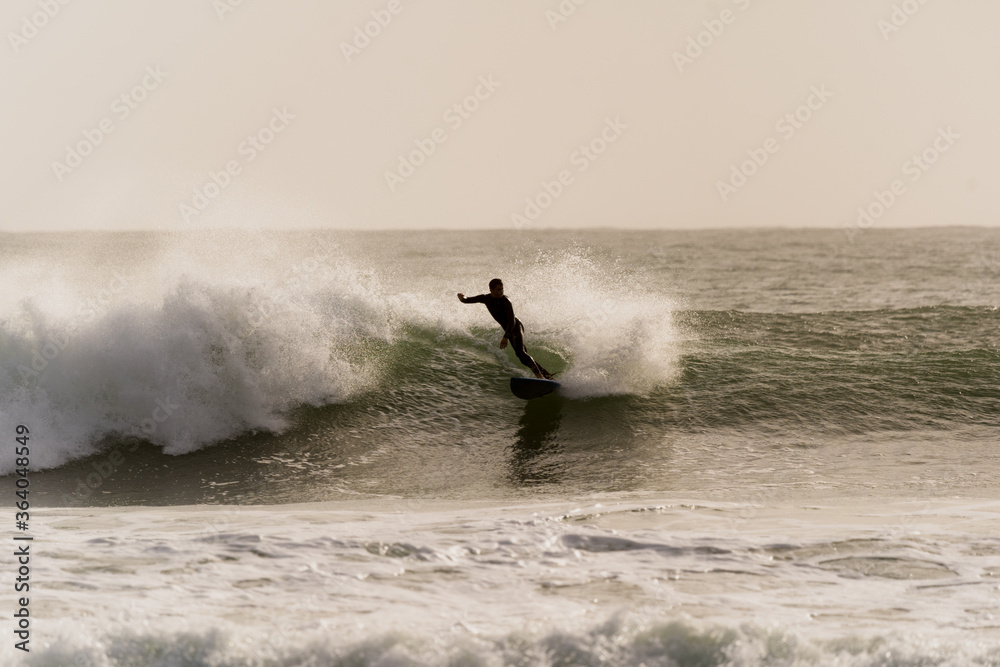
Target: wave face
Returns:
[[844, 372]]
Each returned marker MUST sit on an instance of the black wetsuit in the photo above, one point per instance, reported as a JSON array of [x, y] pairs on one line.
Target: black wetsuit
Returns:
[[503, 312]]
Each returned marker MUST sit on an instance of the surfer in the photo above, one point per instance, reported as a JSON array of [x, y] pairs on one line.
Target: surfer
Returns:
[[503, 312]]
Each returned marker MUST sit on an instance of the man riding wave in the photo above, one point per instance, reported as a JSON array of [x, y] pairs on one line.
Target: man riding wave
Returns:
[[503, 312]]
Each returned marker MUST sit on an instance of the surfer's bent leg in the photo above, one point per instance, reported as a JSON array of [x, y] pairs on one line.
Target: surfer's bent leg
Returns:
[[517, 344]]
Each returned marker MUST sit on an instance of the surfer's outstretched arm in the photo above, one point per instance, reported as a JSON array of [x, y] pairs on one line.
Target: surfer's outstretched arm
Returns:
[[481, 298]]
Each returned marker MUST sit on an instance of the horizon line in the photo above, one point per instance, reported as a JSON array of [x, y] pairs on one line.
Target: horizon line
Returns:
[[491, 229]]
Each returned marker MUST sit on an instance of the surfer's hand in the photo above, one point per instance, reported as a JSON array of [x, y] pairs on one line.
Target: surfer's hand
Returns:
[[503, 343], [461, 297]]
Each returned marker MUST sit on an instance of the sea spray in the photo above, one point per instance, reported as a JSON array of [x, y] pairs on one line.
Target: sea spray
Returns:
[[227, 356]]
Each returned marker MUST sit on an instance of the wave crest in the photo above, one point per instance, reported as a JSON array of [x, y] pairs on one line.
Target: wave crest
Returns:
[[206, 363]]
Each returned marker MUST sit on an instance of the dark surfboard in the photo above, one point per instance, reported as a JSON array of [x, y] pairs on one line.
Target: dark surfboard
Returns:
[[528, 388]]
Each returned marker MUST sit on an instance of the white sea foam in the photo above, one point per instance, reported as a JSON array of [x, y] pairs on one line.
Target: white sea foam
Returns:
[[623, 582]]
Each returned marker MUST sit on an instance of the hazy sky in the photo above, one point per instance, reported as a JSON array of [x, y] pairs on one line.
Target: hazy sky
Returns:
[[132, 114]]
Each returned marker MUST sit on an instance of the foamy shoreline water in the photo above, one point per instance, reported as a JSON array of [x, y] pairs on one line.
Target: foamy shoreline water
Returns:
[[617, 580]]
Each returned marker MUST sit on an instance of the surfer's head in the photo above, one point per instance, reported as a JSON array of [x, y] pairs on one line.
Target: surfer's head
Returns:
[[496, 287]]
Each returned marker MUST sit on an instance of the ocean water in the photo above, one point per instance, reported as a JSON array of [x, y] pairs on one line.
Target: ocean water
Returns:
[[771, 447]]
